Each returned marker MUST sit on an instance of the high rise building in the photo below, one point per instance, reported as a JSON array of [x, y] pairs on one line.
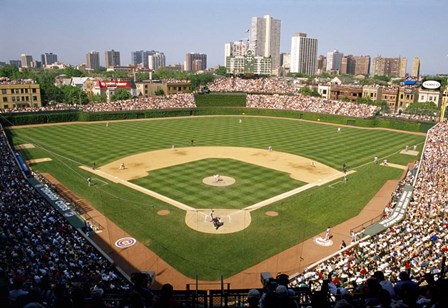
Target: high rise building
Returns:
[[285, 60], [265, 36], [112, 58], [27, 60], [191, 58], [237, 48], [334, 60], [403, 67], [93, 60], [362, 65], [415, 67], [355, 65], [390, 67], [321, 64], [49, 58], [141, 57], [156, 60], [16, 63], [303, 54], [347, 64]]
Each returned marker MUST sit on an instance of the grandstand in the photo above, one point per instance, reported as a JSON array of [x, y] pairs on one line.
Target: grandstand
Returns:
[[47, 256]]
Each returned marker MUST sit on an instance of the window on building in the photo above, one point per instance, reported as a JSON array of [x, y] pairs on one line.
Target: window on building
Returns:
[[17, 91], [34, 90], [5, 99], [13, 98], [3, 91], [34, 98]]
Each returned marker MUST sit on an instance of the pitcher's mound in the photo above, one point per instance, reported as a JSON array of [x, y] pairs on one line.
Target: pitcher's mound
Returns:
[[219, 181], [163, 212]]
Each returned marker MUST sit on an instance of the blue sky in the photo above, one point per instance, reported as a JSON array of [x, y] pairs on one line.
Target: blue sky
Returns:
[[71, 28]]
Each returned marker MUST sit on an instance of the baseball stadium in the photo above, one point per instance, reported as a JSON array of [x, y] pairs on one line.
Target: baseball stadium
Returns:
[[223, 195]]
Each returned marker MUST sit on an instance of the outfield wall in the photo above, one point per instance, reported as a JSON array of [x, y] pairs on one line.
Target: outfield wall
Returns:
[[13, 119]]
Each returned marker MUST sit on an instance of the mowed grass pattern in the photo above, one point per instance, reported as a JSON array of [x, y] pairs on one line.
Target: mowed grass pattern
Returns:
[[184, 183], [94, 142], [300, 217]]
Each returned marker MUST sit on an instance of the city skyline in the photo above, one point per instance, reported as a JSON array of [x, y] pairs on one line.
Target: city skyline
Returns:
[[70, 29]]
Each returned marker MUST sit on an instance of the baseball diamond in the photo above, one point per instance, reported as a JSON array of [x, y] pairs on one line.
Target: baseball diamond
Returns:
[[300, 180]]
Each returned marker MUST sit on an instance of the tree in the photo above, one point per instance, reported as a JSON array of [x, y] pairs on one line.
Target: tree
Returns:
[[422, 108], [307, 91], [159, 92], [9, 71], [51, 93], [221, 71], [97, 98], [121, 94], [74, 95], [381, 78], [116, 75], [70, 72], [385, 108], [196, 80], [365, 100]]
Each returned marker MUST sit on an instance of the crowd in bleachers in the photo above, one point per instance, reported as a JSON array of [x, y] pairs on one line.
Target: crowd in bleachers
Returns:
[[42, 257], [58, 107], [412, 116], [141, 103], [144, 103], [5, 80], [261, 85], [310, 104], [415, 246]]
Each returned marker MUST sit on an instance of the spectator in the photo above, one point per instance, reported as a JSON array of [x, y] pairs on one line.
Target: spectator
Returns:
[[166, 299]]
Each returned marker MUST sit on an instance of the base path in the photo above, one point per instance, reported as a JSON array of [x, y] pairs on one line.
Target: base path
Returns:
[[136, 166]]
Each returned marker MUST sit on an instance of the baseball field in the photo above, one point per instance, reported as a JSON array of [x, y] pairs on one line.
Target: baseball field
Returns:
[[274, 182]]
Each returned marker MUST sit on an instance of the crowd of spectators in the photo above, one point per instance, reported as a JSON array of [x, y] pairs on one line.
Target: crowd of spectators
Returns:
[[43, 258], [410, 250], [141, 103], [310, 104], [412, 116], [5, 80], [58, 107], [144, 103], [261, 85]]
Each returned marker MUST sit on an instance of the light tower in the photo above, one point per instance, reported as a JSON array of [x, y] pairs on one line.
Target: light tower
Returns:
[[443, 107]]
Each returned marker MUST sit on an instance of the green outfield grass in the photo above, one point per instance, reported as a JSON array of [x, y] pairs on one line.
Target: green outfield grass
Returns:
[[210, 256]]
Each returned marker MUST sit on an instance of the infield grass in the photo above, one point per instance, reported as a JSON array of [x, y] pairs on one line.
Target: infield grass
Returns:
[[208, 255], [184, 183]]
